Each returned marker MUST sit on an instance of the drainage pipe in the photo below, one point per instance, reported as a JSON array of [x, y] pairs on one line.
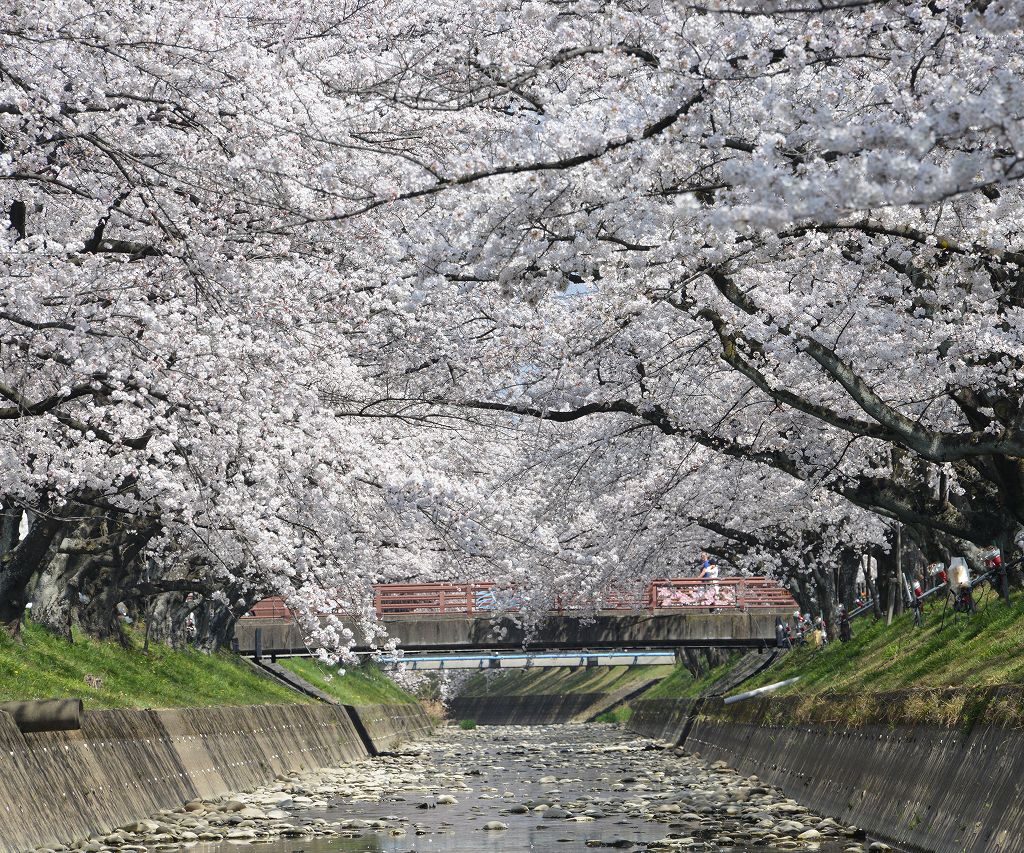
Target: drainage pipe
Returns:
[[759, 691], [46, 715]]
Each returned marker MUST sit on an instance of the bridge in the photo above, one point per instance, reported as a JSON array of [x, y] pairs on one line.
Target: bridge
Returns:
[[529, 660], [669, 613]]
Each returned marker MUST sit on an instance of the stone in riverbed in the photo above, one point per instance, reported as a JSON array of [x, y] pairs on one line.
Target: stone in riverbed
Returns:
[[495, 825]]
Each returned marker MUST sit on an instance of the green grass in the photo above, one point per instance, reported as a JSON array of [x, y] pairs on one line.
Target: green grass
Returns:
[[985, 649], [363, 685], [681, 683], [676, 683], [561, 681], [43, 666], [466, 725]]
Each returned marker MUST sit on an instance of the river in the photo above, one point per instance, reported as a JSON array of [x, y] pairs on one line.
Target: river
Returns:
[[544, 788]]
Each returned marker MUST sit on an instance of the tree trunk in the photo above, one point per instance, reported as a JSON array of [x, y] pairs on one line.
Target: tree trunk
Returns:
[[874, 589], [846, 587], [804, 597], [52, 593], [19, 565], [822, 582], [10, 527], [169, 618]]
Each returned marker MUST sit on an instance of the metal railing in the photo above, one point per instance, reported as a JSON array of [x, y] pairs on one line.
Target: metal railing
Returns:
[[721, 594]]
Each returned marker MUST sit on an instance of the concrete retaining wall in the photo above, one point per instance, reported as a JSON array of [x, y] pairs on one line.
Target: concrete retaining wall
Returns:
[[522, 710], [126, 765], [388, 725], [933, 788], [660, 719]]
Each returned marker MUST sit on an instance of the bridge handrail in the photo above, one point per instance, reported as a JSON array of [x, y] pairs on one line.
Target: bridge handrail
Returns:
[[734, 594]]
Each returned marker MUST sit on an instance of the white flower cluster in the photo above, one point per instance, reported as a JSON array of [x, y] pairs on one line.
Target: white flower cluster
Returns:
[[299, 300]]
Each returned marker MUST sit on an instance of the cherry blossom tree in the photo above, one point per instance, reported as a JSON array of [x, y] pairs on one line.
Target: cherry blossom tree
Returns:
[[820, 199], [298, 299]]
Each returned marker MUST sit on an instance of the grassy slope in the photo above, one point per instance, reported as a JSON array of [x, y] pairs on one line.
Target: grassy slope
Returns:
[[986, 649], [561, 680], [681, 683], [364, 685], [43, 666]]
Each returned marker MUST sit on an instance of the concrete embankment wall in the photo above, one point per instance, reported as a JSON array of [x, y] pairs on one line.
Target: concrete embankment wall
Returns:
[[535, 710], [932, 787], [660, 719], [388, 725], [126, 765]]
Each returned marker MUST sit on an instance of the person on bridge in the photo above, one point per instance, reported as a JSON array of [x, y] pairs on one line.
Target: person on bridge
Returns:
[[710, 574]]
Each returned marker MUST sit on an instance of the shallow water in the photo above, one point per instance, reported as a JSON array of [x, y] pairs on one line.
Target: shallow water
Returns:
[[622, 781]]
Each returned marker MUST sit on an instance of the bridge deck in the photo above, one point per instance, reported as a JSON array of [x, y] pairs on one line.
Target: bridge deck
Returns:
[[723, 594], [726, 612]]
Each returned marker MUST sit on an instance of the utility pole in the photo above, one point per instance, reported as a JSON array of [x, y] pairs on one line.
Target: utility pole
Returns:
[[899, 569], [896, 578]]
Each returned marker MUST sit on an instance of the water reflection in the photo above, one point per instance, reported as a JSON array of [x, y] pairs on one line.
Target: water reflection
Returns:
[[564, 788]]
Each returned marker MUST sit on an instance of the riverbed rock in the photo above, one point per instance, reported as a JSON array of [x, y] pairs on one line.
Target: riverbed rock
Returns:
[[701, 806]]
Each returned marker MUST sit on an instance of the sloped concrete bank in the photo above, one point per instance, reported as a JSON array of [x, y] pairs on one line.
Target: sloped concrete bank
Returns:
[[125, 765], [926, 786], [539, 710], [660, 719], [386, 726]]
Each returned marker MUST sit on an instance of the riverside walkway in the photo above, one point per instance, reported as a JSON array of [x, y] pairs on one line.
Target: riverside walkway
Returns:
[[669, 613]]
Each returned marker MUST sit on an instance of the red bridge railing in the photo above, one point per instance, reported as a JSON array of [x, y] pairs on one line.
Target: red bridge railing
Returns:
[[725, 594]]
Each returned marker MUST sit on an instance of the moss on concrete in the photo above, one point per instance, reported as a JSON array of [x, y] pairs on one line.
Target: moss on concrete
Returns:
[[963, 708]]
